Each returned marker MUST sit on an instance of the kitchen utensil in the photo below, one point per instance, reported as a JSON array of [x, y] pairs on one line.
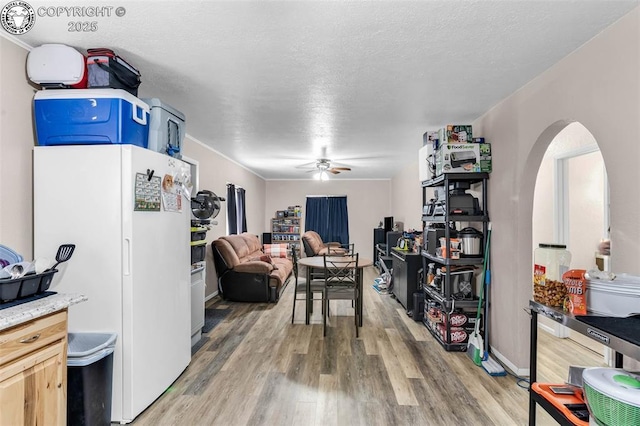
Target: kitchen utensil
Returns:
[[471, 242], [64, 253], [404, 244], [16, 271], [612, 395]]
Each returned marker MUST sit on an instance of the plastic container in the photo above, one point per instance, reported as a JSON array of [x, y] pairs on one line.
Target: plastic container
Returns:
[[166, 128], [57, 65], [25, 286], [9, 256], [89, 117], [90, 378], [616, 298], [550, 262], [198, 234], [198, 251]]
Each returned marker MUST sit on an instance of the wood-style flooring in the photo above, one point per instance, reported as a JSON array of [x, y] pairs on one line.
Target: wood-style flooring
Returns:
[[256, 368]]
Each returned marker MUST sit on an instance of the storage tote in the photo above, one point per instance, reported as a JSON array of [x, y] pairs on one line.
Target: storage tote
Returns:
[[90, 116], [58, 66], [166, 128], [108, 70]]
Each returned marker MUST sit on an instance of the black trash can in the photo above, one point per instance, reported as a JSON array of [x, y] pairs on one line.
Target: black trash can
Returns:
[[89, 378]]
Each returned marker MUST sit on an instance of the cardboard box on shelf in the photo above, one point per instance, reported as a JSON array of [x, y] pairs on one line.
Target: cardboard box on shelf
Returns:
[[463, 158], [455, 133], [430, 138]]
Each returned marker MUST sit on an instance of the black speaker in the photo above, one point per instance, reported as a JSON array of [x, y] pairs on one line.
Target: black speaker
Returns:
[[418, 306], [266, 238]]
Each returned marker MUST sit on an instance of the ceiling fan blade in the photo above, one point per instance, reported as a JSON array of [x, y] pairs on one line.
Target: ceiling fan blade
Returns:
[[346, 169], [305, 165], [335, 172]]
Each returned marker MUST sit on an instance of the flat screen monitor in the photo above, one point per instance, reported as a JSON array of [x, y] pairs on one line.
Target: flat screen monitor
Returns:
[[388, 224]]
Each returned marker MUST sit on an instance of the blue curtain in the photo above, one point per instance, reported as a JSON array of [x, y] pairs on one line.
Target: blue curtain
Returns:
[[315, 216], [338, 223], [232, 218], [242, 214], [328, 216]]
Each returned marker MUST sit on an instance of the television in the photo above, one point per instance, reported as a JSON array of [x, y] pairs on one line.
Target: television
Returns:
[[388, 224]]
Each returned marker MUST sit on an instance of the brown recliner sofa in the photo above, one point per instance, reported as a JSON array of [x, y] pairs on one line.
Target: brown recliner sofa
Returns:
[[314, 246], [245, 273]]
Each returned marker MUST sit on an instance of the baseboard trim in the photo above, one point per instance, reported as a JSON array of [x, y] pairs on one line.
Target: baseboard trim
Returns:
[[545, 327], [520, 372], [211, 296]]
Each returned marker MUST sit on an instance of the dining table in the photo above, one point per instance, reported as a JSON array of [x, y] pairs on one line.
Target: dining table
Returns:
[[317, 262]]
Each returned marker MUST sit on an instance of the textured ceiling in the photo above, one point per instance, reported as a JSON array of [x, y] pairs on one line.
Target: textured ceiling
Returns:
[[270, 84]]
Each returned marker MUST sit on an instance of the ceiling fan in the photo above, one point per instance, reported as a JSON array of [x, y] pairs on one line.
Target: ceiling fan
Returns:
[[324, 164]]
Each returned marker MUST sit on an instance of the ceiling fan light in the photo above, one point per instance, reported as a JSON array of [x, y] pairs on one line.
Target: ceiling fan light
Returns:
[[324, 175]]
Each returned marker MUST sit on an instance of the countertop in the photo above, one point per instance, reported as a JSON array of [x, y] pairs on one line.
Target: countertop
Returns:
[[25, 312]]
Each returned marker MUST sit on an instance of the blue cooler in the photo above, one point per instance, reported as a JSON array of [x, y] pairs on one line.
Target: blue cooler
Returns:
[[166, 128], [90, 116]]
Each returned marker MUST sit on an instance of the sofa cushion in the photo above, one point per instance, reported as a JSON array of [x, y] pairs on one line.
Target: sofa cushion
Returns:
[[283, 268], [252, 241], [314, 241], [254, 267], [239, 245], [332, 250], [265, 258], [227, 252], [276, 250]]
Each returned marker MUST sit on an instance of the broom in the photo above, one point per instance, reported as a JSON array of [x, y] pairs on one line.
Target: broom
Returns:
[[491, 366], [475, 346]]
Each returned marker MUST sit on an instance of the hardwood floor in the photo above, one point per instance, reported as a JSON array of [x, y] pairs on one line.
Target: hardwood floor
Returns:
[[257, 368]]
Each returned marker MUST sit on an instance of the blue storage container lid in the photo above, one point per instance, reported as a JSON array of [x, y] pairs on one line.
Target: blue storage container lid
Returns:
[[87, 348], [9, 255], [105, 93]]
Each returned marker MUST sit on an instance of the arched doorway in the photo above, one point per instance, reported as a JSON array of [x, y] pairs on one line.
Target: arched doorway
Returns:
[[571, 205]]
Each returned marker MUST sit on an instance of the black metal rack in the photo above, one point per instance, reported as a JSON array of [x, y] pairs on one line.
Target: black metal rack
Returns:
[[444, 298], [603, 333]]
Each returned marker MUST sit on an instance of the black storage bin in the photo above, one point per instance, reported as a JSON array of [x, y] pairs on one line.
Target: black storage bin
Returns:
[[198, 235], [106, 69], [90, 378], [198, 251]]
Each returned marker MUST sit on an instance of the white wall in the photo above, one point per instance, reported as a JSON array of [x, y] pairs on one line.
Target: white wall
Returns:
[[406, 197], [598, 86], [16, 145], [586, 217], [215, 171], [368, 202]]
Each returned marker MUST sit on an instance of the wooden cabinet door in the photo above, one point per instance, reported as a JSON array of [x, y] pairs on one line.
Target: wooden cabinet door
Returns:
[[33, 388]]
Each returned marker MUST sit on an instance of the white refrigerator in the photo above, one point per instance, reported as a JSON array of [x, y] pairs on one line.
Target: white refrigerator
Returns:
[[132, 257]]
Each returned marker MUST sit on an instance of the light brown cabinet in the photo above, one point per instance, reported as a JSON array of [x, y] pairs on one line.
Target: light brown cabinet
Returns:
[[33, 372]]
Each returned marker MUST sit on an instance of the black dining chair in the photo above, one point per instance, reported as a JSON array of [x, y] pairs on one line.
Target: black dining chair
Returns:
[[340, 283], [316, 285]]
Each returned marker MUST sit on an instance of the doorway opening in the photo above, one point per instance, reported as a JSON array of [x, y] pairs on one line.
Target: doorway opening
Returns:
[[571, 207]]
